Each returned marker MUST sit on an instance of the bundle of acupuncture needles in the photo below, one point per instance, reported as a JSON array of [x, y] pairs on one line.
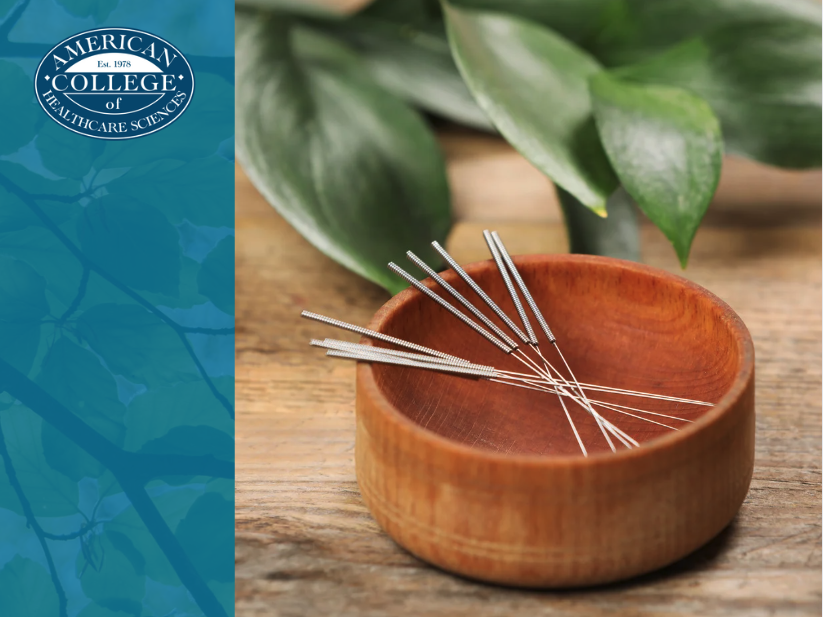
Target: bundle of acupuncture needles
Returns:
[[539, 374]]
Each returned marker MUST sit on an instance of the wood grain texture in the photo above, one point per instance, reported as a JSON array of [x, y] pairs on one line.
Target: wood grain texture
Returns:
[[618, 324], [306, 544], [488, 482]]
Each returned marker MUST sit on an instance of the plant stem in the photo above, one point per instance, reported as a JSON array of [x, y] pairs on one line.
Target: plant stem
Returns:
[[614, 236]]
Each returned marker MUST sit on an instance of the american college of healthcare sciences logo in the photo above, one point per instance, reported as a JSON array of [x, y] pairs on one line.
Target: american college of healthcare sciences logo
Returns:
[[114, 83]]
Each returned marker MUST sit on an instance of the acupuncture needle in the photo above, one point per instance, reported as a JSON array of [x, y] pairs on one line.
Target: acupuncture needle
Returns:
[[529, 338], [379, 336], [497, 256], [462, 300], [454, 311], [489, 337], [458, 269], [538, 315], [357, 347], [373, 354]]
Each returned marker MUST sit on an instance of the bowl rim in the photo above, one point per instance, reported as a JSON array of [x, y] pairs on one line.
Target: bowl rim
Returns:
[[365, 379]]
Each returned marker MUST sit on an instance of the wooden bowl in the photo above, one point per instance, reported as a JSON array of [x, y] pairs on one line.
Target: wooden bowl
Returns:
[[487, 480]]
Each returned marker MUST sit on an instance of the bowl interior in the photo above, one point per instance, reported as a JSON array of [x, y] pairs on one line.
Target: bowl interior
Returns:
[[617, 325]]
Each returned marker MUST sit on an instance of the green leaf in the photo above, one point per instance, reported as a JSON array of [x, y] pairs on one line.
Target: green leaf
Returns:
[[22, 305], [533, 85], [624, 31], [50, 493], [65, 153], [18, 107], [132, 241], [351, 168], [408, 55], [97, 9], [666, 147], [210, 517], [216, 277], [615, 236], [761, 79], [197, 190], [315, 8], [136, 344], [28, 590]]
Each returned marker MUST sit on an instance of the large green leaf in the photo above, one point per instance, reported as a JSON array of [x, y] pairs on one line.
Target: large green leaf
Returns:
[[533, 85], [762, 79], [404, 48], [666, 147], [27, 590], [329, 9], [351, 168], [622, 31]]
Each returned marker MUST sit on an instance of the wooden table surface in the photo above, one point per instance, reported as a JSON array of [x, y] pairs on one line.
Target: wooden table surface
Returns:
[[306, 544]]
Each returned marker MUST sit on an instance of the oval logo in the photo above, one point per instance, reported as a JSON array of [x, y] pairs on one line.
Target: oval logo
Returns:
[[114, 83]]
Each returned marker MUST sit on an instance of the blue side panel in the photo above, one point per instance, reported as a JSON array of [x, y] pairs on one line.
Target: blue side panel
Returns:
[[117, 332]]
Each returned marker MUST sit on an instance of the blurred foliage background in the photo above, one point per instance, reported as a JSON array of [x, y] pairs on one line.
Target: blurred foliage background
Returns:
[[621, 103]]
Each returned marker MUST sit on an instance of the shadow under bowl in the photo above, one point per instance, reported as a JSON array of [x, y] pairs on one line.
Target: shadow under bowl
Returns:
[[488, 480]]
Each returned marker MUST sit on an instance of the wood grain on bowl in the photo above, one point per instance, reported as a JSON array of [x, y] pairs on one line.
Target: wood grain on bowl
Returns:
[[487, 480]]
